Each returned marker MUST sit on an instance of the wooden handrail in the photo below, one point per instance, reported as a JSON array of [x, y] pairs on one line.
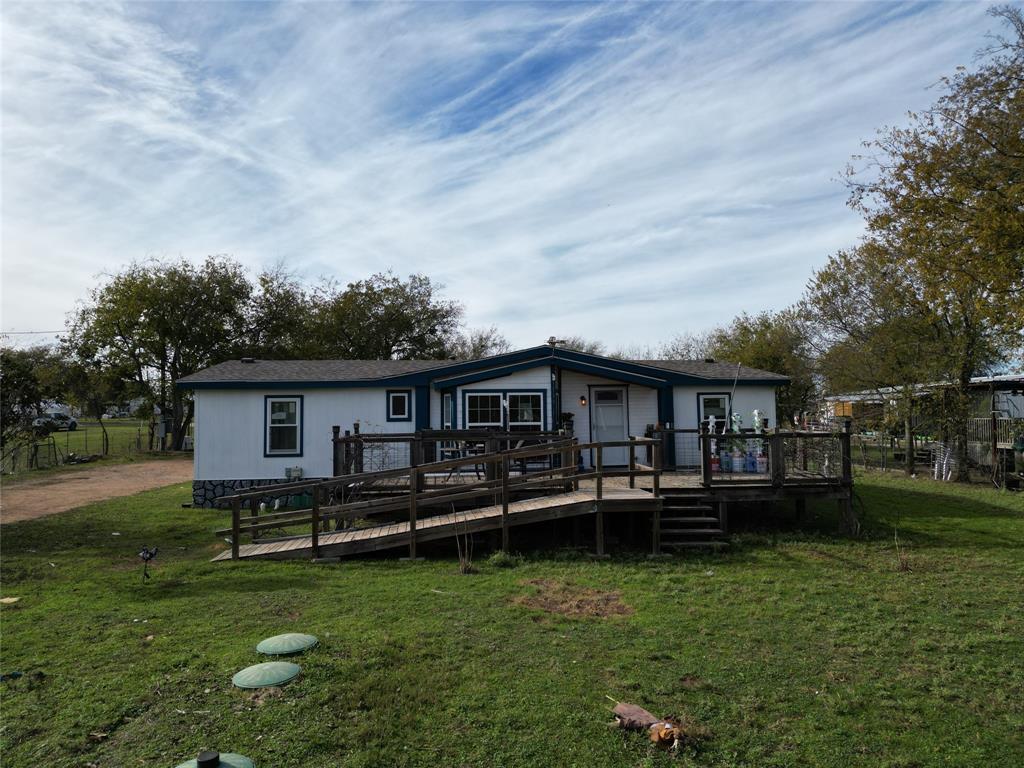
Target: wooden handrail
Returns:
[[415, 498]]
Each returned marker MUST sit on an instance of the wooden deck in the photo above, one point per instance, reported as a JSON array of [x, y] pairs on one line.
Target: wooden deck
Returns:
[[393, 535]]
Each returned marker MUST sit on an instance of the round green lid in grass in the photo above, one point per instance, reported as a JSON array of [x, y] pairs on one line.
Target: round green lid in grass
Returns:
[[223, 760], [266, 674], [286, 644]]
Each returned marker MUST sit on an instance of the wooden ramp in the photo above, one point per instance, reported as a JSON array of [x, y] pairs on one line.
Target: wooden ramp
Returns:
[[357, 540]]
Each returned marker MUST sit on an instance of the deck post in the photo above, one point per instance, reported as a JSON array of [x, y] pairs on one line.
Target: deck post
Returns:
[[314, 514], [504, 504], [632, 461], [599, 458], [413, 482], [236, 513], [656, 533], [358, 447], [845, 454], [337, 459], [705, 455], [776, 460], [416, 458], [346, 454], [490, 469], [846, 512]]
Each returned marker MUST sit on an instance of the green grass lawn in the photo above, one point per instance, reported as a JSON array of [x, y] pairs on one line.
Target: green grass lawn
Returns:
[[792, 649]]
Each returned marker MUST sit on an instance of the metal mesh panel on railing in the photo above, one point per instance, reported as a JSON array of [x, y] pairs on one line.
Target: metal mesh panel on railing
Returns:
[[814, 457], [739, 456], [687, 446]]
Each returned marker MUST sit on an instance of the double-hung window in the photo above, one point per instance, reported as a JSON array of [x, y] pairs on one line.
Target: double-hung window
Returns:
[[399, 405], [284, 426], [525, 412], [483, 410]]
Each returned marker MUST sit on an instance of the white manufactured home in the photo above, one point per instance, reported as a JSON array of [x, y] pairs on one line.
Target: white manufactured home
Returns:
[[261, 421]]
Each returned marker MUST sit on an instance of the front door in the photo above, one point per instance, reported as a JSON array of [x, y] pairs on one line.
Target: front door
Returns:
[[608, 423]]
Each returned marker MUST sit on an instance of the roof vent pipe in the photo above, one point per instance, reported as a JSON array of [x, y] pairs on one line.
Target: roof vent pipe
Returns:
[[248, 359]]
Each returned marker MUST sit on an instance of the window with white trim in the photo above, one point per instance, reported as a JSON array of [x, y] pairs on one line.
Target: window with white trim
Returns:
[[483, 410], [716, 405], [284, 426], [399, 405], [525, 412]]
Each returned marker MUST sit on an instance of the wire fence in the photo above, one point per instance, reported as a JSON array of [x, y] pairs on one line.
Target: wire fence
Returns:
[[71, 447]]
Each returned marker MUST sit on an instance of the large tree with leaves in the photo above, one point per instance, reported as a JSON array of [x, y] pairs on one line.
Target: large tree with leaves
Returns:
[[161, 321], [383, 317], [772, 341], [942, 264]]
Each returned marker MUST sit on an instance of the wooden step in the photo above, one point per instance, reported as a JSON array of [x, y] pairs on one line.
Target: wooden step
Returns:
[[692, 531], [694, 544], [690, 520], [688, 507]]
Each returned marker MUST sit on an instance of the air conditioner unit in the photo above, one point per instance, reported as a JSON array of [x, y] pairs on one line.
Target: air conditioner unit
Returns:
[[293, 473]]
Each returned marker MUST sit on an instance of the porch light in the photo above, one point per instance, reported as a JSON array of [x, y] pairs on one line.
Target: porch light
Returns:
[[583, 401]]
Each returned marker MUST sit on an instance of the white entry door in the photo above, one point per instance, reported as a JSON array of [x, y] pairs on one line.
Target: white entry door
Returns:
[[608, 423]]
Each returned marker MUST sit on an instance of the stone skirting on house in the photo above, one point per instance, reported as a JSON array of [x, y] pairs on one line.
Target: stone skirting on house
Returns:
[[206, 493]]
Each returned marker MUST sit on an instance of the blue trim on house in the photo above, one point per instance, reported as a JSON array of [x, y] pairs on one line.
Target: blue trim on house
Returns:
[[504, 413], [572, 365], [422, 407], [408, 404], [301, 425]]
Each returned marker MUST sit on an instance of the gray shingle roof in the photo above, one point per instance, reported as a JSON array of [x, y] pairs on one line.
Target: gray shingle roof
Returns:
[[308, 370], [298, 371], [715, 370]]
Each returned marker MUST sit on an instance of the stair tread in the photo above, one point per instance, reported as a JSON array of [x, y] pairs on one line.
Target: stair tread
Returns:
[[675, 544], [688, 507], [690, 520], [691, 531]]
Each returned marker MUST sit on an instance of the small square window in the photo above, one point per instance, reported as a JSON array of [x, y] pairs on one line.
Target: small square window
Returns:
[[399, 405]]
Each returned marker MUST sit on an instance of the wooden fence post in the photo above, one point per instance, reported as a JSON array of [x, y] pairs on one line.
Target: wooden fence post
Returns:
[[632, 461], [776, 460], [704, 440], [845, 453], [337, 455], [236, 513], [413, 483], [346, 454], [504, 504], [315, 519], [598, 507], [358, 448]]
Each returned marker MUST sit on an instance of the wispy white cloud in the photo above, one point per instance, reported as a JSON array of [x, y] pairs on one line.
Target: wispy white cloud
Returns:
[[619, 171]]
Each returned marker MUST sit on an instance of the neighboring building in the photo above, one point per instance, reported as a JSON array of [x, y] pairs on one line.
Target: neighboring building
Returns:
[[1002, 396], [257, 420]]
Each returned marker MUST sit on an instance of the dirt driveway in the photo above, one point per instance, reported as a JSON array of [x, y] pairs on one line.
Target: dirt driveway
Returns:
[[61, 491]]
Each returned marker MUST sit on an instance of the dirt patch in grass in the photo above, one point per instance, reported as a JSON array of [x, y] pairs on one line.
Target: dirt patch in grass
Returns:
[[568, 599]]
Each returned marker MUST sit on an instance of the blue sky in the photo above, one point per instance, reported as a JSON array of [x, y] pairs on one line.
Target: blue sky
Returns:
[[623, 172]]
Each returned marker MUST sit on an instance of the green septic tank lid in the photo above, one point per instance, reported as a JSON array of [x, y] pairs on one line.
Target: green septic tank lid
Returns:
[[266, 674], [286, 644], [216, 760]]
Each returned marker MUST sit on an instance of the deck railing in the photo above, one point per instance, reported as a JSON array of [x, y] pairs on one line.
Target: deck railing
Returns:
[[332, 498], [356, 451], [781, 458]]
